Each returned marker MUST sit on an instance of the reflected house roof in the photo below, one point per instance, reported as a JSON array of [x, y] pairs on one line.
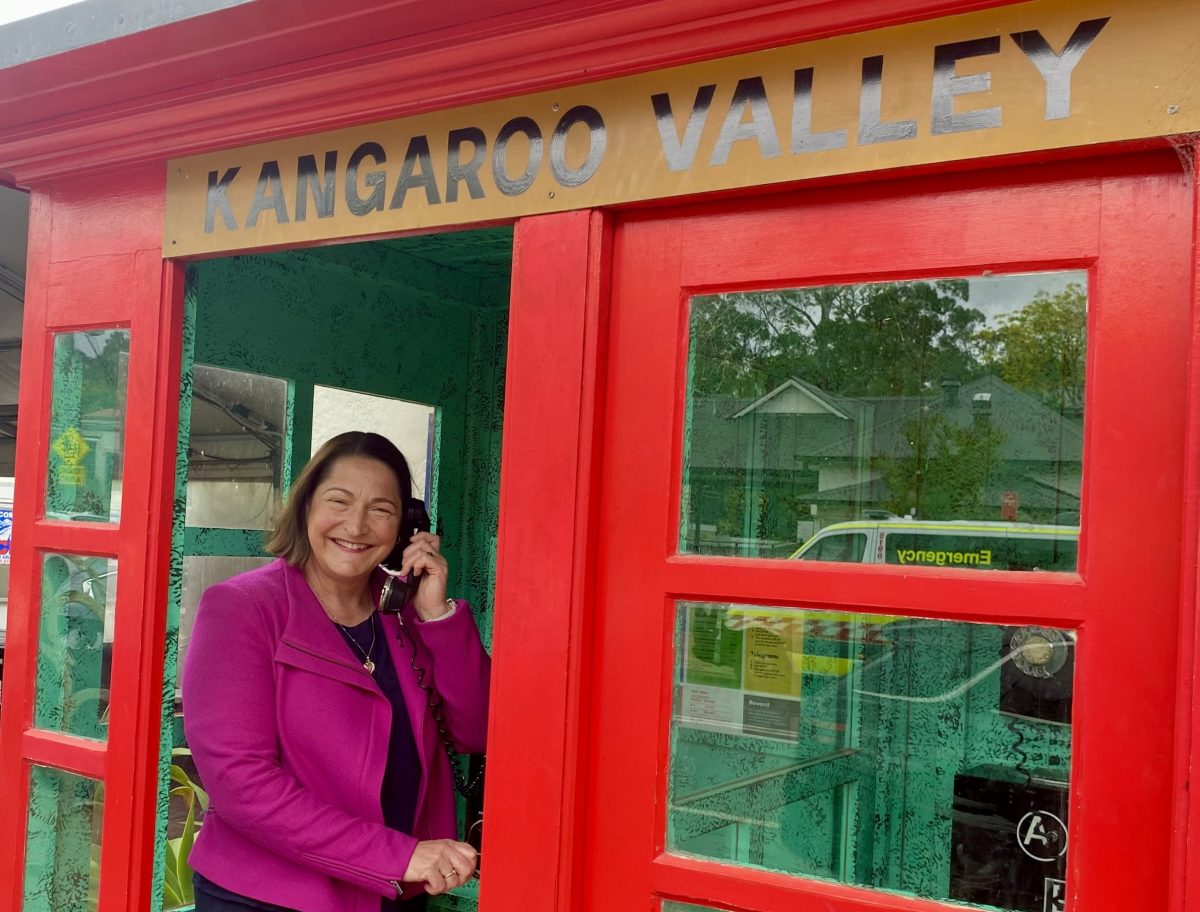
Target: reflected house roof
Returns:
[[806, 427]]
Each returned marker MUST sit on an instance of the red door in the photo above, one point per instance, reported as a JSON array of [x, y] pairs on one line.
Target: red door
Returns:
[[967, 395]]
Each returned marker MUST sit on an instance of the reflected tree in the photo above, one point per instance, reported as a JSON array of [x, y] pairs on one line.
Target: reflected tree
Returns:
[[886, 339], [1042, 348], [946, 473]]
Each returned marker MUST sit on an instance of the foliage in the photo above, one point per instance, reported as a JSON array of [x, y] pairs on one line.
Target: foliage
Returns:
[[1042, 347], [883, 339], [177, 881], [102, 354], [946, 473]]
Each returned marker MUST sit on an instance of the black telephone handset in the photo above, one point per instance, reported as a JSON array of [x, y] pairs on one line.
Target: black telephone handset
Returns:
[[397, 592]]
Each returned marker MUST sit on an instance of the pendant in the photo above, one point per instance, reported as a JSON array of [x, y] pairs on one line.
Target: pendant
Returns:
[[369, 666]]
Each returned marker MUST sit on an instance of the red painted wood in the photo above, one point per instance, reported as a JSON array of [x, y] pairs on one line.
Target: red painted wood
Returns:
[[25, 566], [879, 589], [761, 891], [1186, 848], [287, 67], [967, 221], [75, 755], [1141, 324], [100, 539], [164, 325], [1135, 230], [545, 499], [114, 266]]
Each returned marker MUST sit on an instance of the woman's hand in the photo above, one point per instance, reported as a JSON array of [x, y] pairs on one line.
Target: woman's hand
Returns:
[[441, 864], [423, 557]]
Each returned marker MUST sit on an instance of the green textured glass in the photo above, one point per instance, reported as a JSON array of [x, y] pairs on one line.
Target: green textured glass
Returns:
[[917, 756], [75, 636], [62, 844], [669, 906], [947, 408], [87, 425]]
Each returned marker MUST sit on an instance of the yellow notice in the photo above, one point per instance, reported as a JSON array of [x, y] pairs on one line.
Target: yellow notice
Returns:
[[71, 448], [1040, 75], [771, 665]]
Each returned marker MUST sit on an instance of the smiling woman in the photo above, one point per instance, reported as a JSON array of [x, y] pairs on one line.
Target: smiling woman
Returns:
[[302, 704]]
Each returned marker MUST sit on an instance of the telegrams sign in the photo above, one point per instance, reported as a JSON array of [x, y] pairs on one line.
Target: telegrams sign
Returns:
[[1039, 75]]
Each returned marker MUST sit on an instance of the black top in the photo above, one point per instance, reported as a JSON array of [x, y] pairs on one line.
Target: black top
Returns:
[[401, 778]]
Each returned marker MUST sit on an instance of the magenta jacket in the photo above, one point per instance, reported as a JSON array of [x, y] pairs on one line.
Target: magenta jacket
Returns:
[[290, 737]]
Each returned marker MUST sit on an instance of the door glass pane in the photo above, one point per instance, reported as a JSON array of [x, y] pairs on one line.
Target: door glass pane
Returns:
[[75, 635], [919, 756], [235, 448], [62, 845], [87, 425], [947, 408]]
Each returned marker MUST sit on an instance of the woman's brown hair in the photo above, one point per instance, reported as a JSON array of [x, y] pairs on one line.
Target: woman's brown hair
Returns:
[[289, 538]]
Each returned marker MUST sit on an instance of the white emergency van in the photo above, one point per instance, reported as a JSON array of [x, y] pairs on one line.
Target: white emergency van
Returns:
[[956, 543]]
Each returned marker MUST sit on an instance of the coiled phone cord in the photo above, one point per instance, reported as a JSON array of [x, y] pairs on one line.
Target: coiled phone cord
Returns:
[[468, 787]]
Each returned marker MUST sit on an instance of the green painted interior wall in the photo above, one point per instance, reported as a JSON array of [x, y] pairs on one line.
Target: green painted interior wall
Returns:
[[421, 319]]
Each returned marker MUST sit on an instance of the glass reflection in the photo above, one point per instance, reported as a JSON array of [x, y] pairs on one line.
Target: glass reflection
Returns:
[[75, 637], [913, 755], [62, 843], [87, 425], [235, 448], [950, 401]]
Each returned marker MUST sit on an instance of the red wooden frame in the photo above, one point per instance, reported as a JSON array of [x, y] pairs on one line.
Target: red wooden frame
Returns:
[[555, 358], [70, 263], [95, 259], [1126, 227]]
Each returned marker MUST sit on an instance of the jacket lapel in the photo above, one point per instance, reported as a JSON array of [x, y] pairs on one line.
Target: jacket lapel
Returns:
[[311, 642]]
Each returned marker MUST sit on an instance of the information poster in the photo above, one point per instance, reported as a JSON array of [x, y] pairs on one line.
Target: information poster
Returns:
[[742, 671]]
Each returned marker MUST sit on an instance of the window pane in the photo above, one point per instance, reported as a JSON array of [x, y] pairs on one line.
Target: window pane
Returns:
[[198, 574], [87, 425], [75, 634], [62, 845], [912, 755], [945, 403], [409, 425], [235, 448]]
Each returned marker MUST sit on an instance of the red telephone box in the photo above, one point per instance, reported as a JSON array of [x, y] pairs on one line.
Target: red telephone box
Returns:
[[845, 523]]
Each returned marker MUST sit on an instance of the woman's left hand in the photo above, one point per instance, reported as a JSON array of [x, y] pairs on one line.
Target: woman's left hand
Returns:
[[423, 557]]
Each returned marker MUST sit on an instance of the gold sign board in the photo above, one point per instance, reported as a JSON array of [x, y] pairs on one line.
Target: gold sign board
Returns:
[[1040, 75]]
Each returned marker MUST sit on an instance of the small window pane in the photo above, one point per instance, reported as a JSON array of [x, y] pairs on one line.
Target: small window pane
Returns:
[[235, 448], [62, 845], [911, 755], [75, 635], [87, 425], [411, 426], [198, 574], [934, 402]]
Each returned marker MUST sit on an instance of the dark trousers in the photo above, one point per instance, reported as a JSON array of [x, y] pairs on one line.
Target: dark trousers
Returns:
[[207, 902]]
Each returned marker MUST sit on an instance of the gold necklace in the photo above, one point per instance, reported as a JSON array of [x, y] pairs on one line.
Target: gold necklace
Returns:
[[368, 664]]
